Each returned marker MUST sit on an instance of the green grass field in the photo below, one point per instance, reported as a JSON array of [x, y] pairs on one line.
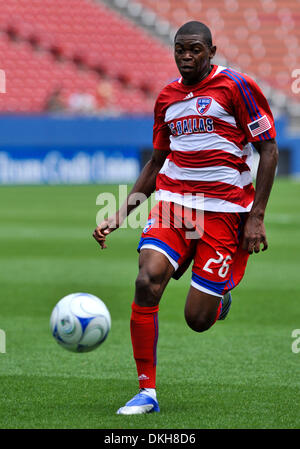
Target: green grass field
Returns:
[[241, 373]]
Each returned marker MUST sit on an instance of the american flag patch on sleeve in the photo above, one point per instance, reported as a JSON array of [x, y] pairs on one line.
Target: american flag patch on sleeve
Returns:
[[259, 126]]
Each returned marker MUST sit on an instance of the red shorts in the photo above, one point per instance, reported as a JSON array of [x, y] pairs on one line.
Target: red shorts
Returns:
[[211, 239]]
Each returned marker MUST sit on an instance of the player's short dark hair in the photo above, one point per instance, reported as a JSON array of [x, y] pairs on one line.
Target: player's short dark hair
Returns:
[[195, 27]]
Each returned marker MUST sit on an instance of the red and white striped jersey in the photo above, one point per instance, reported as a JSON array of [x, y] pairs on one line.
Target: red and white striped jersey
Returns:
[[209, 128]]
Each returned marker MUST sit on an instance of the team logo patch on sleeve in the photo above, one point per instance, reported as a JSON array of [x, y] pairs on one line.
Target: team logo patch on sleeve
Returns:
[[149, 225], [259, 126], [203, 104]]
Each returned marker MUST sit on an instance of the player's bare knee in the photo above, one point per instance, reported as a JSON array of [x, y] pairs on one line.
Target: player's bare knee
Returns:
[[200, 323], [142, 283], [147, 290]]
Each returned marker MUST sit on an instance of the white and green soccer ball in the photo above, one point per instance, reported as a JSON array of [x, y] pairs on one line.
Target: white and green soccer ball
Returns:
[[80, 322]]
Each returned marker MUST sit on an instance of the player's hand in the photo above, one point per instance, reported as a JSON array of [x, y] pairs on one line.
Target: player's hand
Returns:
[[254, 235], [103, 229]]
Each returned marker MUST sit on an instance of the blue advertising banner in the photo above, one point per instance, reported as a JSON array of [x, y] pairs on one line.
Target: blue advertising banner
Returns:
[[53, 149], [75, 165]]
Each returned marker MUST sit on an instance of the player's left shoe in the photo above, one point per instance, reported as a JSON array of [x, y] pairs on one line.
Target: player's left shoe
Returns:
[[139, 404], [226, 300]]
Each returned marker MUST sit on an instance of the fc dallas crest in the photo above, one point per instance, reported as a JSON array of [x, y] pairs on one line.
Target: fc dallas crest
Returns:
[[203, 104]]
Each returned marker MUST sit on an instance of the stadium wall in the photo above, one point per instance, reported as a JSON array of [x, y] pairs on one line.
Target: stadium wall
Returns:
[[83, 150]]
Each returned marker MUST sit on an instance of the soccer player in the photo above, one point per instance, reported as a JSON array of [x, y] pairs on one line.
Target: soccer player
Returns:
[[204, 125]]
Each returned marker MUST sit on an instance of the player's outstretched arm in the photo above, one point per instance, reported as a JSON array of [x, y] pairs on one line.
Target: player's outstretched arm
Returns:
[[254, 231], [145, 184]]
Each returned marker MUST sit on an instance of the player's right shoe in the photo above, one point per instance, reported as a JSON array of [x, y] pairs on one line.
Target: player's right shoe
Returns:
[[141, 403], [226, 304]]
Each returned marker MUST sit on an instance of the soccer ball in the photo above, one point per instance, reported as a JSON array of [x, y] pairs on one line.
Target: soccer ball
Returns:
[[80, 322]]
